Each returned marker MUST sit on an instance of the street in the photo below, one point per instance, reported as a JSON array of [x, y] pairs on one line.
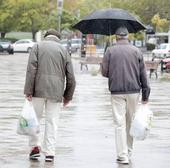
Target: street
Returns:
[[86, 132]]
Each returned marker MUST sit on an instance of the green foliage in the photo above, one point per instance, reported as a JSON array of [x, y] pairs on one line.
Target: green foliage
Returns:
[[160, 24], [146, 9], [6, 17], [34, 15], [136, 36], [139, 36], [68, 19], [150, 46], [27, 15], [19, 35], [13, 40]]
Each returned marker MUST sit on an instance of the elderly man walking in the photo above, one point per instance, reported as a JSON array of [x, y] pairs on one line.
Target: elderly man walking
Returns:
[[49, 66], [123, 65]]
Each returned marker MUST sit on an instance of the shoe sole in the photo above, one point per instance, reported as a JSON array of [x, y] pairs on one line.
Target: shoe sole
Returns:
[[122, 162], [49, 160], [34, 157]]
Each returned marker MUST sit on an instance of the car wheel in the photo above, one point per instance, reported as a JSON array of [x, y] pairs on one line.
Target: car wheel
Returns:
[[1, 49], [29, 50], [11, 52]]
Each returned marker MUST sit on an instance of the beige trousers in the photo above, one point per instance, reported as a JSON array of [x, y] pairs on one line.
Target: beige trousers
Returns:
[[52, 110], [123, 106]]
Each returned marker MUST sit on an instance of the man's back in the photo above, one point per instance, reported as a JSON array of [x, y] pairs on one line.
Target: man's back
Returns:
[[52, 58], [49, 64], [124, 66]]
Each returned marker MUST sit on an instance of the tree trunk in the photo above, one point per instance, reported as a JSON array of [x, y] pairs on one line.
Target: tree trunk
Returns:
[[3, 34], [33, 35], [33, 28]]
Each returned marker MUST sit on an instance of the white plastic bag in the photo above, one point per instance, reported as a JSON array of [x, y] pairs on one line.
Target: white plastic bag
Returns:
[[141, 124], [28, 123]]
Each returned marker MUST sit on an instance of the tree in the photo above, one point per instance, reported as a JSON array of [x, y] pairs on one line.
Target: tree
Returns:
[[35, 15], [146, 9], [68, 20], [160, 24], [6, 18], [27, 15]]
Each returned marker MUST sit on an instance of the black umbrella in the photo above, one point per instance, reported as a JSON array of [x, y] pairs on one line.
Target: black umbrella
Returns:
[[106, 21]]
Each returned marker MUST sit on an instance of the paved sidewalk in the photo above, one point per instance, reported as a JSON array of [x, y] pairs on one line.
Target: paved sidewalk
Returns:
[[86, 133]]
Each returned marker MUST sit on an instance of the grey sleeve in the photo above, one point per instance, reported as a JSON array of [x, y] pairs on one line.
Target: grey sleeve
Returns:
[[31, 71], [70, 79], [105, 64], [144, 80]]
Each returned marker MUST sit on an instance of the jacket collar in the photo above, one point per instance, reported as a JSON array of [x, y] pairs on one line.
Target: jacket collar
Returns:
[[123, 41], [52, 38]]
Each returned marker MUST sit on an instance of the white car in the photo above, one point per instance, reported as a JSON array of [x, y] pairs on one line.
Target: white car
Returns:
[[162, 51], [76, 44], [64, 43], [72, 45], [24, 45]]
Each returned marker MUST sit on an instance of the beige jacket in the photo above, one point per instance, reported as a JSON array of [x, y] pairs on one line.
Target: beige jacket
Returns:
[[49, 66]]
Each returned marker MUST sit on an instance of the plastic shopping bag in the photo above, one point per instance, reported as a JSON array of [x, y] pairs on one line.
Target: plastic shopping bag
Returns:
[[141, 124], [28, 123]]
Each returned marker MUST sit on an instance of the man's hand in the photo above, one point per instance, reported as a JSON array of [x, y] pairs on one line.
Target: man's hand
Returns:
[[65, 102], [29, 97]]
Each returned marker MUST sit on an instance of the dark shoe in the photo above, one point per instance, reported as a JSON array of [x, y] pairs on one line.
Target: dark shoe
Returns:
[[35, 153], [49, 158], [123, 161]]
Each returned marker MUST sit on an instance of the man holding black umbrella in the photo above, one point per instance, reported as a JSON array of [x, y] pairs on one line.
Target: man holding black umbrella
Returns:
[[124, 67]]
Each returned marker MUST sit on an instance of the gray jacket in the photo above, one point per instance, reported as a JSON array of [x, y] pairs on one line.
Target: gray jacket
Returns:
[[124, 66], [49, 65]]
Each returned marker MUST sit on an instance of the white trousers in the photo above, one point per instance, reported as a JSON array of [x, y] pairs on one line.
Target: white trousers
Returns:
[[52, 110], [123, 107]]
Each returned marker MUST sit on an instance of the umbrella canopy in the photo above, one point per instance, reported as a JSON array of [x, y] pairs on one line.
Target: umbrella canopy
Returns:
[[106, 21]]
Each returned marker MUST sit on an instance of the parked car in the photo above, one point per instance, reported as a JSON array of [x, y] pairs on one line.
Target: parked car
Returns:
[[66, 43], [163, 51], [24, 45], [6, 46], [165, 65], [72, 44], [76, 44]]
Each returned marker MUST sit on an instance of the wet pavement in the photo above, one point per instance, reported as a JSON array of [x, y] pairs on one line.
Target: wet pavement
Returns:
[[86, 133]]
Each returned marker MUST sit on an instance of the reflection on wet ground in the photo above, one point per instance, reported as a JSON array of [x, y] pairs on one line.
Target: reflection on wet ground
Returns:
[[86, 133]]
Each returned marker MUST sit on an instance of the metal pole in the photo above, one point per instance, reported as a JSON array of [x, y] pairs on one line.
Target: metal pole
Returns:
[[110, 4], [59, 23], [60, 8]]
